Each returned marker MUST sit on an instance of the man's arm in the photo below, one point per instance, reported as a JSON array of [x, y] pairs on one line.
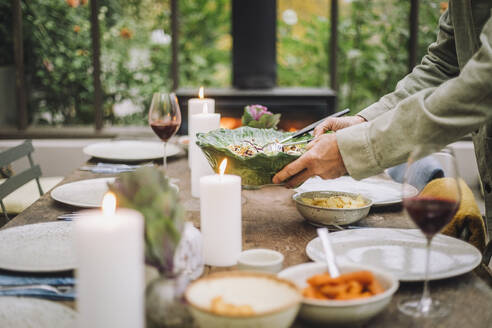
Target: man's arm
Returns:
[[439, 115], [438, 65]]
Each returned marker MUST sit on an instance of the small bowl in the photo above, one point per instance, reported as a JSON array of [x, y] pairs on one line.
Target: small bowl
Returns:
[[330, 216], [334, 312], [261, 260], [275, 301]]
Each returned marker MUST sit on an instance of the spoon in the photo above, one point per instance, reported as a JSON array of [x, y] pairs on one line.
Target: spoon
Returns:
[[330, 256]]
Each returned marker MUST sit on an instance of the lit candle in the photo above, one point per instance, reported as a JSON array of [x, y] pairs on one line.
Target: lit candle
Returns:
[[195, 106], [110, 267], [202, 122], [220, 217]]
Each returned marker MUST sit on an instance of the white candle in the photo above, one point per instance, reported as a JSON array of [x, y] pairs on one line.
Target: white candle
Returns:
[[220, 218], [195, 106], [203, 122], [110, 267]]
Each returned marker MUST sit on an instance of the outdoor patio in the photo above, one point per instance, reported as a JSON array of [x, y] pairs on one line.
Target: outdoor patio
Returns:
[[165, 164]]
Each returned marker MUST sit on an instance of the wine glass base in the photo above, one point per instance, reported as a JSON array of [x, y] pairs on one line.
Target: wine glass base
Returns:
[[431, 308]]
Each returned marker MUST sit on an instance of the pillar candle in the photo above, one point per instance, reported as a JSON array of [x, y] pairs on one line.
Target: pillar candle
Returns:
[[220, 218], [110, 268], [195, 106], [203, 122]]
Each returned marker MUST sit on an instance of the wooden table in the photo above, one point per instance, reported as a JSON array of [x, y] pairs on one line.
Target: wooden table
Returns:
[[270, 220]]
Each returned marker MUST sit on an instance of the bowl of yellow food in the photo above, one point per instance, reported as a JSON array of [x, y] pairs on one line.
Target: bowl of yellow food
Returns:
[[332, 207], [240, 299]]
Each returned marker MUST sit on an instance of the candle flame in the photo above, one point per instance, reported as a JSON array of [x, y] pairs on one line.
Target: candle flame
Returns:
[[205, 108], [222, 167], [200, 93], [109, 204]]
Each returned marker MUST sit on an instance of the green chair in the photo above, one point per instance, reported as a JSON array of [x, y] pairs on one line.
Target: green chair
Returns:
[[18, 180]]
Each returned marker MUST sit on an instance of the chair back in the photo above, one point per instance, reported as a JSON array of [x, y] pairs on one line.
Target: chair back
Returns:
[[18, 180]]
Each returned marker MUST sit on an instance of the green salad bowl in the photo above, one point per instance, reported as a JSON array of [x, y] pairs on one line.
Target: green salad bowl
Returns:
[[255, 171]]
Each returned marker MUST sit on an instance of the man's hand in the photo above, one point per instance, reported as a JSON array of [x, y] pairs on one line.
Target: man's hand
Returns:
[[337, 123], [322, 158]]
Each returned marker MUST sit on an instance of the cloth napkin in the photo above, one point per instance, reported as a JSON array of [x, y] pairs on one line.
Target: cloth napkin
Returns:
[[424, 170], [40, 293], [19, 279], [468, 221]]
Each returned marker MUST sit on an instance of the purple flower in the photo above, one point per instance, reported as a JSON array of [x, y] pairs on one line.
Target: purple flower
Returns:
[[257, 111]]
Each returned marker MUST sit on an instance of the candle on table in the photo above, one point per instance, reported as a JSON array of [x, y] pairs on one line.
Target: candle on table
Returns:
[[220, 217], [110, 267], [195, 106], [203, 122]]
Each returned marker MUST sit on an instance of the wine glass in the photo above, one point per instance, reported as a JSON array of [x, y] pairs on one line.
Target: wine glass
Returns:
[[164, 118], [431, 209]]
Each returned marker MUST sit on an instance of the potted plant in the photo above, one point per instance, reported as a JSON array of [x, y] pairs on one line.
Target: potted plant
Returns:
[[168, 240], [258, 116]]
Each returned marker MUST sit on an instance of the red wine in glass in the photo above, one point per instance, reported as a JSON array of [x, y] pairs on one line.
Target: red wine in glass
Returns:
[[164, 118], [165, 130], [430, 214], [431, 209]]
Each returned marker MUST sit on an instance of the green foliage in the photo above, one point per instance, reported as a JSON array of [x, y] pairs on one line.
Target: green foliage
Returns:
[[59, 59], [205, 43], [257, 116], [373, 49], [59, 54], [372, 54], [148, 191]]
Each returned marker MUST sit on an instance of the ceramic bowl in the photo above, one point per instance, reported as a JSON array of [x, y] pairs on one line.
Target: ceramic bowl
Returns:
[[275, 301], [330, 216], [261, 260], [334, 312]]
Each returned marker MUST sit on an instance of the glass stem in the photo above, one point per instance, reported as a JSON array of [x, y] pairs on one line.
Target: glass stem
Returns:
[[165, 157], [426, 301]]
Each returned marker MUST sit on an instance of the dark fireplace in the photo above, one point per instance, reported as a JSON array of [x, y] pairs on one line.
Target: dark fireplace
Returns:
[[254, 69]]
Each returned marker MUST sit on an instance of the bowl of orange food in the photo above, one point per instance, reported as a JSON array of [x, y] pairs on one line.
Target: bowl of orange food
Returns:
[[359, 294], [243, 299]]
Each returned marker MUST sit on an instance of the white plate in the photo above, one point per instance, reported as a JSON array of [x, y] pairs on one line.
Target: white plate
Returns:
[[127, 150], [84, 193], [382, 192], [41, 247], [18, 312], [401, 252]]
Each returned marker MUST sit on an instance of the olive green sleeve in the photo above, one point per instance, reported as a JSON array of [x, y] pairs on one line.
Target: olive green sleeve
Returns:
[[438, 65], [441, 115]]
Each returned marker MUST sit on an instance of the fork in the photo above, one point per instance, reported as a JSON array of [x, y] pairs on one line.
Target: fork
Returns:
[[68, 216], [278, 147]]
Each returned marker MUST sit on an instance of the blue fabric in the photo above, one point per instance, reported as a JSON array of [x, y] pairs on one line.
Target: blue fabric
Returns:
[[11, 279], [424, 170], [19, 279], [40, 293]]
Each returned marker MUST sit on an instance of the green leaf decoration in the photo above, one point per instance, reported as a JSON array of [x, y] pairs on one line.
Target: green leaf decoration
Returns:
[[256, 170], [148, 191]]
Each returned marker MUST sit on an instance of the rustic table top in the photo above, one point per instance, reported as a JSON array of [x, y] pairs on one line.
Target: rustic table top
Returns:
[[270, 220]]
